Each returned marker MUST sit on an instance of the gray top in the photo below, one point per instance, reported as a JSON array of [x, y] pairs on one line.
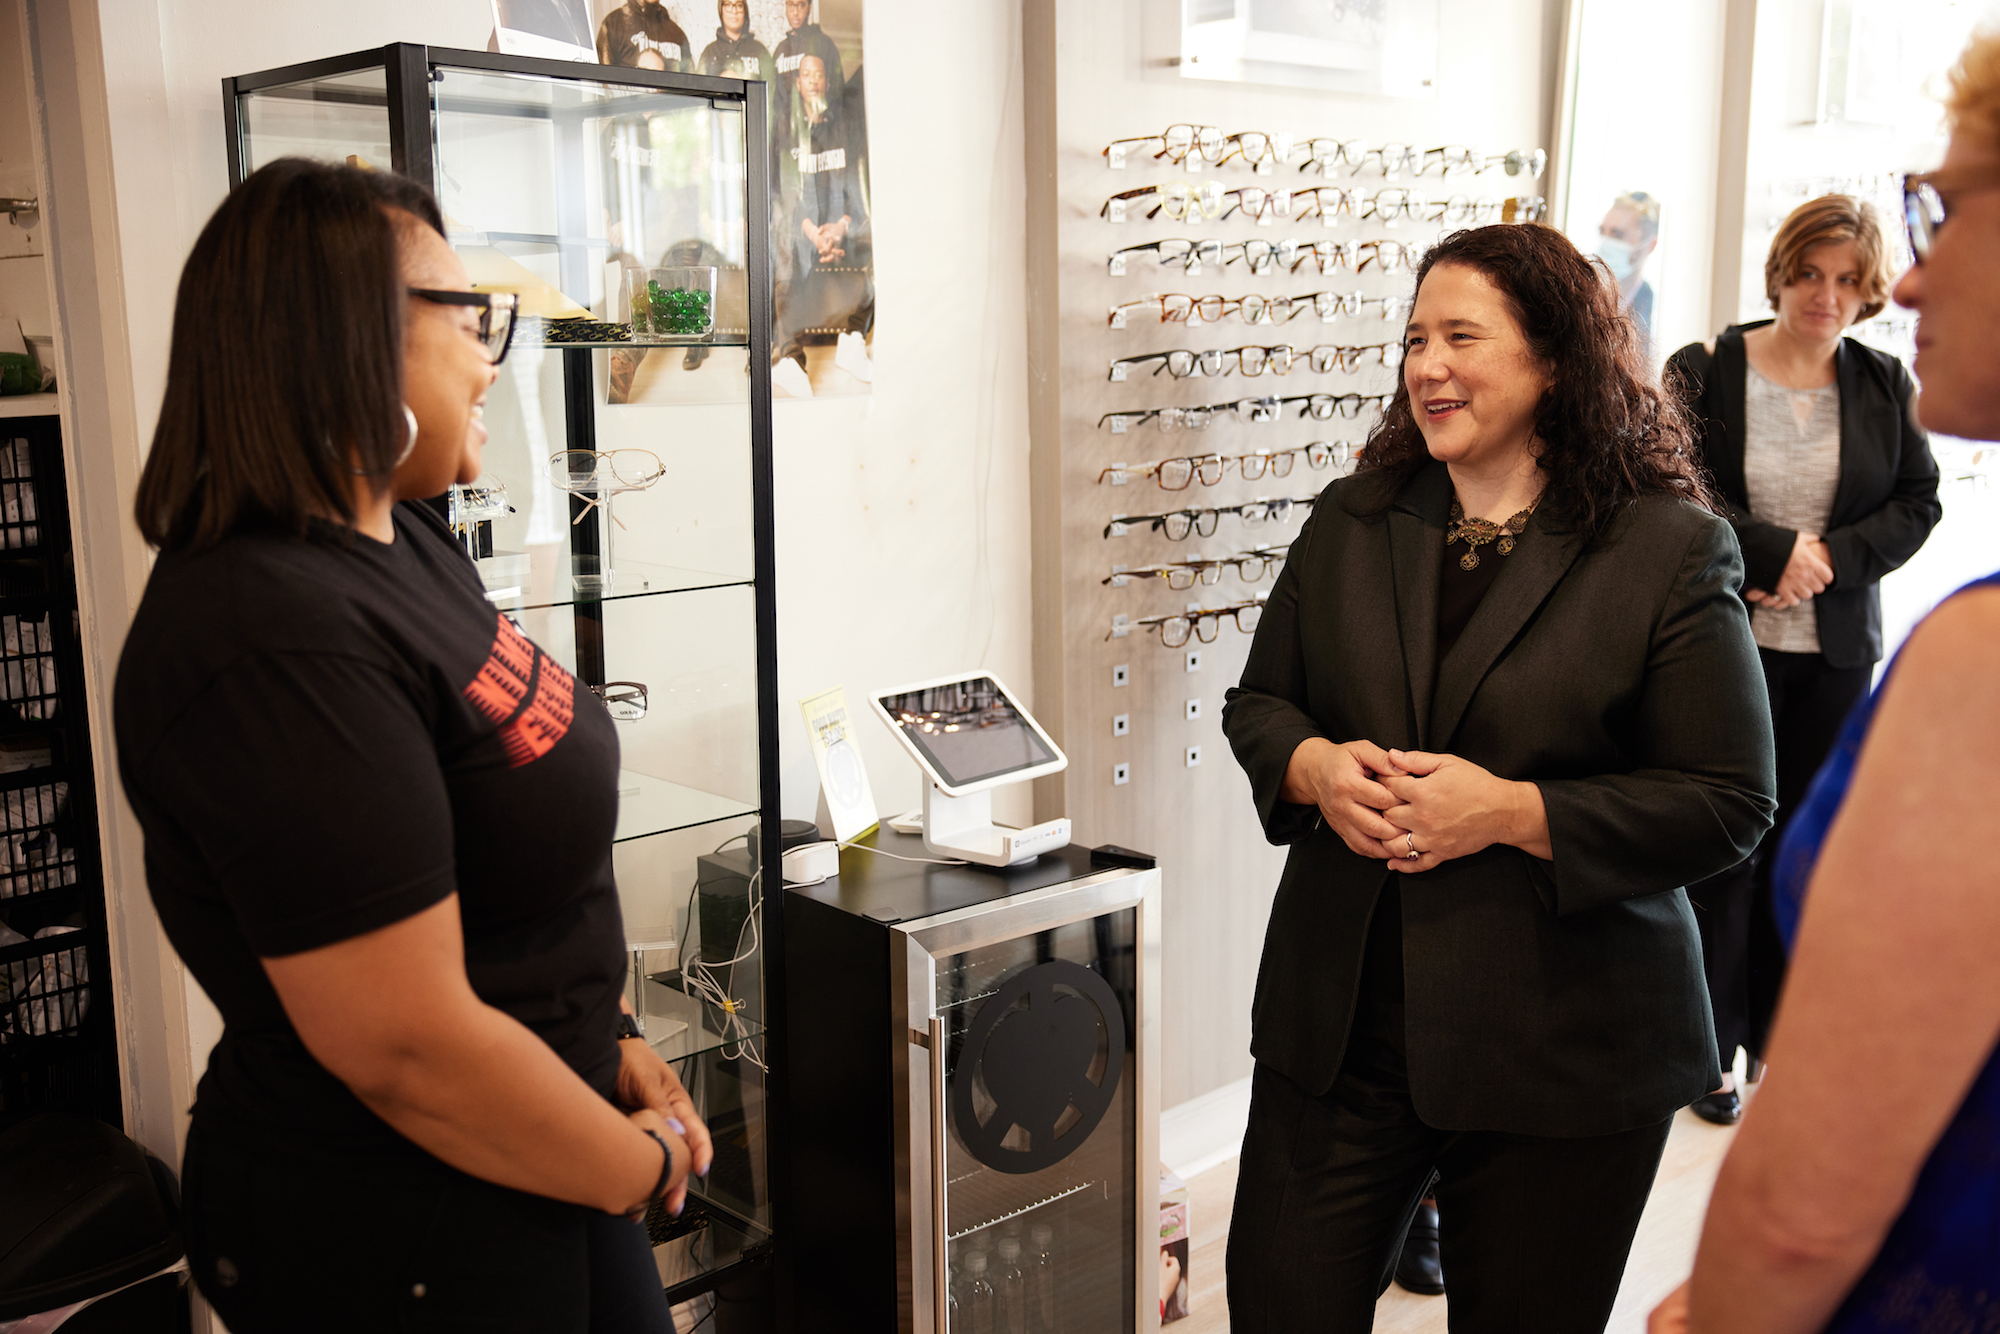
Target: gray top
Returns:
[[1791, 465]]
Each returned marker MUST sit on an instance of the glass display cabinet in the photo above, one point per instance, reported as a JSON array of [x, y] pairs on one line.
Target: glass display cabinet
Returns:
[[625, 517]]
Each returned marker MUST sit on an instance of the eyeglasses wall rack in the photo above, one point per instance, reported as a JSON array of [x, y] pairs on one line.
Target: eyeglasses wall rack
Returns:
[[1135, 687]]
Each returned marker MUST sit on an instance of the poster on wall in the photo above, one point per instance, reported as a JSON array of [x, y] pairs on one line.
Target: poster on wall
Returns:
[[823, 268], [1351, 46]]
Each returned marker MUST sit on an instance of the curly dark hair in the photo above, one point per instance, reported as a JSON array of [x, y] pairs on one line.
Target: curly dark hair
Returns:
[[1608, 433]]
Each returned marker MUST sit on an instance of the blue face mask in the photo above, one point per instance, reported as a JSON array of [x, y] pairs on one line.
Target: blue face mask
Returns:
[[1617, 256]]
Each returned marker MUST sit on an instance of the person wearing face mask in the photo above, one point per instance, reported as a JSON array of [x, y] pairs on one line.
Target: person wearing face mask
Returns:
[[1829, 483], [1626, 239], [1467, 711], [377, 816]]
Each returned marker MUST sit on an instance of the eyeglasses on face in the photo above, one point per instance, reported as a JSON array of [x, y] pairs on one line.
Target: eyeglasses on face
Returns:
[[1204, 625], [1928, 197], [1190, 254], [623, 700], [496, 315]]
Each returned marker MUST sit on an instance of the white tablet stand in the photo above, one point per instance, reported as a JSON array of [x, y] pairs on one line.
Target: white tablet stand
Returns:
[[963, 827]]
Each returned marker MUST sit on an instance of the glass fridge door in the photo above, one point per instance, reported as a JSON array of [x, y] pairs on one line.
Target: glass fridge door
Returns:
[[1042, 1108]]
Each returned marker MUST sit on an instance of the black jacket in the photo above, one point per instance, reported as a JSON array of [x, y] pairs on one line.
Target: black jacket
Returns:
[[1543, 998], [1884, 507]]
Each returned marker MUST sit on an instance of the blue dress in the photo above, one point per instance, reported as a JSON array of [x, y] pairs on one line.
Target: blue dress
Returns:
[[1939, 1267]]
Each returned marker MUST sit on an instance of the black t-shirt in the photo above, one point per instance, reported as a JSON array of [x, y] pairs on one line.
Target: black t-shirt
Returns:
[[626, 34], [327, 735]]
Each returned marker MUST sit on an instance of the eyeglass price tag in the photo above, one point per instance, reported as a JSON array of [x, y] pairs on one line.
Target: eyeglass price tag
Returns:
[[1281, 146], [1117, 312], [1117, 426], [1117, 372], [1265, 168], [1117, 268], [1194, 216], [1121, 626], [1194, 163], [1116, 211], [1194, 266], [1117, 527], [1117, 475], [1117, 157]]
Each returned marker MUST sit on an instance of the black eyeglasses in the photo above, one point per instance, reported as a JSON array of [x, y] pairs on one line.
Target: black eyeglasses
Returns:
[[496, 315], [1925, 207], [623, 700]]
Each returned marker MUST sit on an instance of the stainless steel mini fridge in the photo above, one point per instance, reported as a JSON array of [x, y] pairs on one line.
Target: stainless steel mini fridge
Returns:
[[975, 1056]]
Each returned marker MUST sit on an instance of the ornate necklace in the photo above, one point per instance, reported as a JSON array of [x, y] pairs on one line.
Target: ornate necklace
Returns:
[[1476, 533]]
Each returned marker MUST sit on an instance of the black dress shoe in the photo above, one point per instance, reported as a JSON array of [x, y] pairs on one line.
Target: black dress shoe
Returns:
[[1418, 1268], [1724, 1109]]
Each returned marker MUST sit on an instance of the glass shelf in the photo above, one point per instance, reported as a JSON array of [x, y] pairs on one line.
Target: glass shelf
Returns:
[[648, 806], [515, 583], [679, 1026]]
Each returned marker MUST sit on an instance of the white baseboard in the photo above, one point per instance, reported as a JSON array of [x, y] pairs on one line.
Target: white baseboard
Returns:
[[1205, 1131]]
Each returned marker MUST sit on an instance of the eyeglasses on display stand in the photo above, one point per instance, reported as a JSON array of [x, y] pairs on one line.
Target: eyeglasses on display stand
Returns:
[[570, 225]]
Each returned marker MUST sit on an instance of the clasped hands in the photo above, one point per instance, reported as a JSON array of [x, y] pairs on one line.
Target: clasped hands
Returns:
[[1808, 572], [1387, 804], [827, 239], [652, 1096]]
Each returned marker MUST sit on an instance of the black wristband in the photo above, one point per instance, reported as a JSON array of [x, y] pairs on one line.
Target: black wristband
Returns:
[[666, 1168], [628, 1027]]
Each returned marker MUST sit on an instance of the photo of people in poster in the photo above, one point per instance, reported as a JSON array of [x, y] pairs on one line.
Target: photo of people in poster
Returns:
[[810, 52]]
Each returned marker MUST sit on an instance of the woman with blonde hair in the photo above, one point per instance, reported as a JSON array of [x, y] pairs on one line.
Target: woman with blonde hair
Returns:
[[1830, 485], [1863, 1192]]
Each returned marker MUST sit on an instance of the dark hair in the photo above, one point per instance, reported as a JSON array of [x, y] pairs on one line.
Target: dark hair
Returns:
[[1607, 433], [286, 367]]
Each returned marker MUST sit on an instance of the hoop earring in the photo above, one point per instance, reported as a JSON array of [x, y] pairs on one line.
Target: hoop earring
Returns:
[[409, 443]]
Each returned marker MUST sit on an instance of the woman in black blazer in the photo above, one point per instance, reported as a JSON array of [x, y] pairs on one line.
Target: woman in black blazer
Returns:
[[1503, 704], [1829, 483]]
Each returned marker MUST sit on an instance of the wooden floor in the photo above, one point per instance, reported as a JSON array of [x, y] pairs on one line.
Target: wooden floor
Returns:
[[1661, 1254]]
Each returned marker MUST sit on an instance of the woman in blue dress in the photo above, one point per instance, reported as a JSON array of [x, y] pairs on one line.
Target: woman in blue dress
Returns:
[[1862, 1194]]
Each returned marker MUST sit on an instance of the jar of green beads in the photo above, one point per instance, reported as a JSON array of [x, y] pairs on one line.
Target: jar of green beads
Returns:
[[671, 305]]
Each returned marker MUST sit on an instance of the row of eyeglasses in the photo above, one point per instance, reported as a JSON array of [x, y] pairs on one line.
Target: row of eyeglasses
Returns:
[[1180, 308], [1181, 575], [1190, 202], [1278, 359], [1196, 147], [1262, 257], [1320, 407], [1203, 625], [1179, 525], [1177, 474]]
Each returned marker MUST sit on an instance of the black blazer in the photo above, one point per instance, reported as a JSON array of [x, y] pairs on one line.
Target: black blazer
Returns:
[[1543, 998], [1884, 507]]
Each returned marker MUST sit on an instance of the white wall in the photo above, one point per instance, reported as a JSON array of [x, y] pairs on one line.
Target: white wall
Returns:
[[902, 517]]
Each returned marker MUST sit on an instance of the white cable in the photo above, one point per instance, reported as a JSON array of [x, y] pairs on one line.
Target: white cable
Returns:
[[928, 861]]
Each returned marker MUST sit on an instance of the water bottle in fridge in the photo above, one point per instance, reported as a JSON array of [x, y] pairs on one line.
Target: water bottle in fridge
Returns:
[[1039, 1273], [1011, 1288], [976, 1307]]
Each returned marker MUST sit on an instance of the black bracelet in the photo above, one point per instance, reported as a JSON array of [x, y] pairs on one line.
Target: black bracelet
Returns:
[[666, 1168]]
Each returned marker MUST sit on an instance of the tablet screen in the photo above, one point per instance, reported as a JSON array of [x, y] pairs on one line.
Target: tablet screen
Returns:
[[968, 730]]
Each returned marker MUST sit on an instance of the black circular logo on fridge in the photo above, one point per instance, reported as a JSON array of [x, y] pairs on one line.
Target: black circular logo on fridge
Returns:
[[1039, 1067]]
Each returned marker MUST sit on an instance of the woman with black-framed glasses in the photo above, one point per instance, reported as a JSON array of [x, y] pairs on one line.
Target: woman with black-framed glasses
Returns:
[[377, 816]]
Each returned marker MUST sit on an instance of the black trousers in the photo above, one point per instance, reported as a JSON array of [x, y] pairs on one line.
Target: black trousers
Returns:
[[1534, 1230], [1740, 946], [312, 1240]]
